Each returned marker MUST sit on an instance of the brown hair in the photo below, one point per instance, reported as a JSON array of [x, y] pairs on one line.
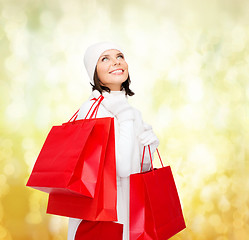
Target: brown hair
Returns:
[[97, 86]]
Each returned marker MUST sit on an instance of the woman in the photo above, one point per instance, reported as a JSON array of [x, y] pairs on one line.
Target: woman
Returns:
[[109, 76]]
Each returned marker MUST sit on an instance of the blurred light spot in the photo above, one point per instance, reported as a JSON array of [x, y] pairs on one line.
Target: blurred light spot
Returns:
[[186, 114], [214, 220], [206, 193], [43, 116], [34, 203], [73, 90], [3, 179], [5, 149], [238, 38], [192, 117], [223, 183], [30, 158], [13, 65], [209, 206], [52, 76], [64, 112], [238, 223], [231, 75], [164, 117], [33, 218], [224, 204], [221, 116], [203, 158], [221, 228], [197, 223], [9, 169], [195, 91], [28, 143], [47, 19], [3, 232], [192, 65], [15, 111], [55, 224], [174, 74]]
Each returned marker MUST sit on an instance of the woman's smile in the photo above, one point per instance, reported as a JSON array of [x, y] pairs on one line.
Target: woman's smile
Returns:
[[118, 71]]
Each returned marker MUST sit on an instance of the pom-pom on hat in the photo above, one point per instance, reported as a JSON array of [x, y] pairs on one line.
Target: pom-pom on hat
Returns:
[[93, 53]]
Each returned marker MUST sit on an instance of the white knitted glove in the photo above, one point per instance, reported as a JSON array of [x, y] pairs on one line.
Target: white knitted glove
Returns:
[[117, 105], [147, 137]]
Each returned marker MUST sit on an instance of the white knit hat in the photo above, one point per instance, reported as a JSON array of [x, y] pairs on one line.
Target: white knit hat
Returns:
[[93, 53]]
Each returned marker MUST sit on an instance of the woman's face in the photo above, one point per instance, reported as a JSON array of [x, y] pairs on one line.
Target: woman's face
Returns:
[[112, 69]]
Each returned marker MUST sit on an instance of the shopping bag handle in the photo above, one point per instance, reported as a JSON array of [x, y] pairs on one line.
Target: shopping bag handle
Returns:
[[94, 112], [74, 116], [150, 158]]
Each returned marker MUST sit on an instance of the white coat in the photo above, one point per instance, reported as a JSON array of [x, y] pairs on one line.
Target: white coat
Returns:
[[128, 159]]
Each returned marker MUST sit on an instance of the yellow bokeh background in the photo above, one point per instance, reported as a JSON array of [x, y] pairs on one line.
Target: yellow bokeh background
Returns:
[[188, 63]]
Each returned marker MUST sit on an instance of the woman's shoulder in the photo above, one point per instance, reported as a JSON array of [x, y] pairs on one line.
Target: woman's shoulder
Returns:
[[88, 106]]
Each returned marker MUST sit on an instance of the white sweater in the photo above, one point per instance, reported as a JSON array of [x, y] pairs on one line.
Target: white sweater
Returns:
[[128, 159]]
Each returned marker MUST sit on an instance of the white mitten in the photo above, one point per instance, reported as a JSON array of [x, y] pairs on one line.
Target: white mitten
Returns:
[[148, 137], [118, 106]]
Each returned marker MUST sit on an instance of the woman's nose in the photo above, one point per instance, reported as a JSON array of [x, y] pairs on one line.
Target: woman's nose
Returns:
[[116, 62]]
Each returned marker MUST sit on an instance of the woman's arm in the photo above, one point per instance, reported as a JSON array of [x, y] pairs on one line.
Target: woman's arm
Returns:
[[124, 148], [118, 106], [146, 137]]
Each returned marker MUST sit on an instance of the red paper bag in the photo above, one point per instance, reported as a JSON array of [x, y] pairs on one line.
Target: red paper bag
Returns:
[[155, 209], [103, 206], [89, 230], [71, 156]]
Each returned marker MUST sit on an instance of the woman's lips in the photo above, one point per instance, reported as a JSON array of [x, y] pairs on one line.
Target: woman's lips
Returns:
[[117, 72]]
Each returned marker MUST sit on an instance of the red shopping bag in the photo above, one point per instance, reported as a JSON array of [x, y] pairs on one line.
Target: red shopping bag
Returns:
[[100, 208], [72, 155], [89, 230], [155, 209]]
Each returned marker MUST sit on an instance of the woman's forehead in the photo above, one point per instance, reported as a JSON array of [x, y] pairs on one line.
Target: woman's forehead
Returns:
[[110, 52]]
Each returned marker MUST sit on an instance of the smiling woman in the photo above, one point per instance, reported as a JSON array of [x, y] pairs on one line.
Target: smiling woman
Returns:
[[111, 73], [109, 77]]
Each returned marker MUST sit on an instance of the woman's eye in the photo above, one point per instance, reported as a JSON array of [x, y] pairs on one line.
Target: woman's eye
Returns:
[[121, 56], [103, 59]]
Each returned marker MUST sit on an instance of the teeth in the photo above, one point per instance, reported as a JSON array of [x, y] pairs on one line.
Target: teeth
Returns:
[[117, 71]]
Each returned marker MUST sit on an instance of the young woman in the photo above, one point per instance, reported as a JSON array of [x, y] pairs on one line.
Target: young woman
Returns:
[[108, 71]]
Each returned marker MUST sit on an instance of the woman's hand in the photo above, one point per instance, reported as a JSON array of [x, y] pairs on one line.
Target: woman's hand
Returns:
[[148, 137]]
